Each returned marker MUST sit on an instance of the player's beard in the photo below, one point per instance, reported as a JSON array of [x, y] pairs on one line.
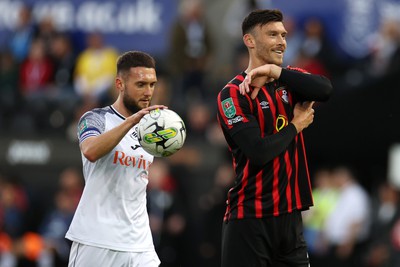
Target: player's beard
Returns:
[[267, 56], [131, 104]]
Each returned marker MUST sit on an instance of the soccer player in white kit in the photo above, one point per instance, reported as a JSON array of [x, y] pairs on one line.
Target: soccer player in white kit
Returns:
[[111, 225]]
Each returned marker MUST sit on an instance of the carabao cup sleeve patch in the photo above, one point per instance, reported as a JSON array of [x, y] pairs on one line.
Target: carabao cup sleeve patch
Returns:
[[228, 107], [90, 125], [82, 126]]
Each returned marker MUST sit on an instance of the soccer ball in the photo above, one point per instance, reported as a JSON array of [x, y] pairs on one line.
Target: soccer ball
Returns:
[[161, 133]]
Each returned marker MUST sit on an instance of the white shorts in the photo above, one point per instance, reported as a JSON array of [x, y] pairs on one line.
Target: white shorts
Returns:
[[88, 256]]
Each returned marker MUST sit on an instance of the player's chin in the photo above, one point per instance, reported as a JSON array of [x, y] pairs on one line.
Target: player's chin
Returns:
[[144, 103], [278, 60]]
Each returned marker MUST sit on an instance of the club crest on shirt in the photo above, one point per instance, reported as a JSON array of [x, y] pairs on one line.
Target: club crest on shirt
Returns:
[[228, 107], [134, 134], [283, 94]]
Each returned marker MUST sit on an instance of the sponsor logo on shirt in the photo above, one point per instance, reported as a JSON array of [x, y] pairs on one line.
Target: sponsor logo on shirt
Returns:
[[228, 107], [235, 120], [264, 104], [120, 158], [281, 121]]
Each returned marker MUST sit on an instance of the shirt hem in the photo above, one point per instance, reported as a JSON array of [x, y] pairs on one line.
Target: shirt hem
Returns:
[[110, 246]]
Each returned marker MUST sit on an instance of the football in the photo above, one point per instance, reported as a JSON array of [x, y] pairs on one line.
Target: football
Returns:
[[162, 132]]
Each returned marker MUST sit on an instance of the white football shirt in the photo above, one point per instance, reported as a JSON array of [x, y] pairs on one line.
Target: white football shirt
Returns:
[[112, 211]]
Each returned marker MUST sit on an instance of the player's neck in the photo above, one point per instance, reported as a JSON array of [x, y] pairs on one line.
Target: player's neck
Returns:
[[254, 63], [120, 107]]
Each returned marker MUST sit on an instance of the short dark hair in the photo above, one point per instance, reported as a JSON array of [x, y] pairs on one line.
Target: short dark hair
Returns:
[[260, 17], [132, 59]]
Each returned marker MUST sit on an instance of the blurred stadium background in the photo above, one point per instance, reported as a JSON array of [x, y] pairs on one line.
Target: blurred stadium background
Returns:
[[53, 53]]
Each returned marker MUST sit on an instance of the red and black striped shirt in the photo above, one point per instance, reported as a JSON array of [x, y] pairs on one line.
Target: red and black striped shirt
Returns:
[[280, 182]]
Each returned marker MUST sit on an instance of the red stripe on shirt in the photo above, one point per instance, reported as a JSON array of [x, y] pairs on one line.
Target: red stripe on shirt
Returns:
[[227, 215], [296, 188], [258, 202], [275, 182], [275, 187], [241, 191], [305, 163], [259, 182], [289, 167], [235, 93], [288, 187]]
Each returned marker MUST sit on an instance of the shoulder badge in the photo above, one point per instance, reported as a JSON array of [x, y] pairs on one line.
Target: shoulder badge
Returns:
[[228, 108], [82, 126]]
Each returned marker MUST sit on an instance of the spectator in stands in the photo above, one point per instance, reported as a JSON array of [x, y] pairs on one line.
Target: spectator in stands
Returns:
[[160, 198], [62, 54], [9, 94], [316, 54], [35, 83], [63, 57], [36, 72], [22, 36], [71, 181], [347, 227], [212, 206], [7, 258], [54, 227], [294, 37], [95, 70], [384, 55], [13, 207], [46, 31], [385, 213], [325, 199], [190, 52]]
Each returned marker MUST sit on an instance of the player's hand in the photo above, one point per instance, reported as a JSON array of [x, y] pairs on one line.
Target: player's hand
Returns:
[[258, 77], [303, 115], [135, 118]]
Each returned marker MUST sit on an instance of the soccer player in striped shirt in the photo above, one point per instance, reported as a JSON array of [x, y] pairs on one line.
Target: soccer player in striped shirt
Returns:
[[262, 113]]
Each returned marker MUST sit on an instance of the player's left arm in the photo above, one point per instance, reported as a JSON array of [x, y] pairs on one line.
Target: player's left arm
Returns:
[[307, 86]]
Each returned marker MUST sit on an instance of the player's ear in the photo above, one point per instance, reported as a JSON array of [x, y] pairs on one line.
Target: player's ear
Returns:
[[119, 84], [248, 40]]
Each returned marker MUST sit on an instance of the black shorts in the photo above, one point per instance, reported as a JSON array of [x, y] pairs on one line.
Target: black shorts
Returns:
[[267, 242]]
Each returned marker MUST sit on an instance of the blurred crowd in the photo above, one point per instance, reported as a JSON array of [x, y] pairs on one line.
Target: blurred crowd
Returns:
[[49, 78]]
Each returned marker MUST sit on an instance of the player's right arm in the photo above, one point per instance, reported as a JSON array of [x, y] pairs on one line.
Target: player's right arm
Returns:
[[95, 147], [260, 150], [246, 132]]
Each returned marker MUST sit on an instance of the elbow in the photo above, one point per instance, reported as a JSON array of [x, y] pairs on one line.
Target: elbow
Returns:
[[89, 155], [326, 91]]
